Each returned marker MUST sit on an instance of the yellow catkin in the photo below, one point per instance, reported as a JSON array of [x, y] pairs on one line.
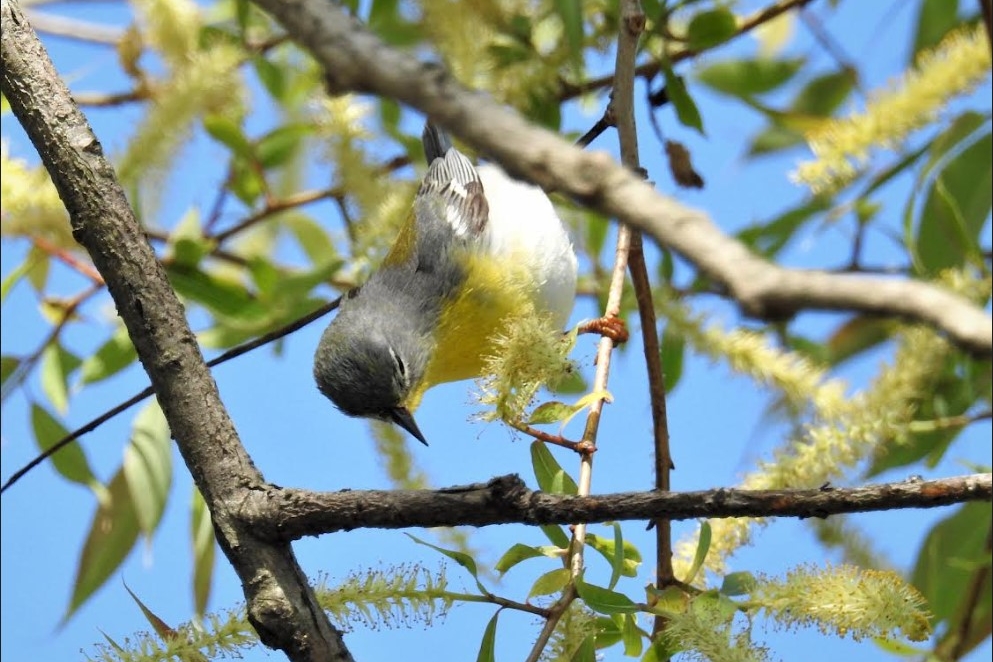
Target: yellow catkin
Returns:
[[846, 601], [953, 68], [841, 431], [31, 206]]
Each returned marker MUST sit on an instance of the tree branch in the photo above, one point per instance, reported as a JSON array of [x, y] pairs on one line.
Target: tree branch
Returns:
[[280, 603], [356, 60], [288, 514]]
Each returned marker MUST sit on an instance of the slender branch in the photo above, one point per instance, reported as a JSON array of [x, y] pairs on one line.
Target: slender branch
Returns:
[[105, 99], [621, 103], [232, 353], [74, 28], [356, 60], [280, 603], [67, 258], [289, 514], [274, 207]]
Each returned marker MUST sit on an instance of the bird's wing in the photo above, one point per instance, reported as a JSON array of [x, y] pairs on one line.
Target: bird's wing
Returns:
[[452, 190]]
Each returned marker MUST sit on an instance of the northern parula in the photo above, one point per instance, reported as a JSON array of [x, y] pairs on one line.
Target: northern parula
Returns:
[[477, 246]]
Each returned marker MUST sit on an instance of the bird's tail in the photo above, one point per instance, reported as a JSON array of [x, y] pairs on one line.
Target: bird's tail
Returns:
[[436, 142]]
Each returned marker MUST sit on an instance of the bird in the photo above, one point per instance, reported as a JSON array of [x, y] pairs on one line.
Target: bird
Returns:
[[476, 247]]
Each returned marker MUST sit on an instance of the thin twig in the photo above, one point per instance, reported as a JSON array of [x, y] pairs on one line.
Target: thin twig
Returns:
[[545, 437], [74, 28], [628, 136], [605, 122], [623, 84], [274, 207], [138, 397], [69, 259]]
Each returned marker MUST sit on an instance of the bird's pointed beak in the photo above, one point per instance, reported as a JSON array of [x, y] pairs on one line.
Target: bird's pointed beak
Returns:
[[402, 417]]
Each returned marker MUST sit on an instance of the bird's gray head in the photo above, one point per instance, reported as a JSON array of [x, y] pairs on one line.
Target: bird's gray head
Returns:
[[369, 364]]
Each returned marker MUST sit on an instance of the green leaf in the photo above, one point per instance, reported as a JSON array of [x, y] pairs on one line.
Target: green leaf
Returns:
[[773, 139], [551, 477], [955, 211], [738, 583], [710, 28], [950, 560], [607, 630], [15, 276], [934, 20], [272, 77], [280, 145], [596, 227], [744, 78], [586, 652], [111, 537], [225, 131], [57, 364], [662, 650], [246, 182], [222, 297], [632, 636], [550, 582], [857, 335], [461, 558], [702, 548], [571, 14], [388, 22], [630, 556], [188, 244], [8, 365], [204, 550], [824, 94], [550, 412], [515, 555], [686, 110], [603, 600], [672, 351], [112, 357], [617, 558], [769, 238], [148, 466], [487, 647], [555, 535], [70, 461], [311, 236]]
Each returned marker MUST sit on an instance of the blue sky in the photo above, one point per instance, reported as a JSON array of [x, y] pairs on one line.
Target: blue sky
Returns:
[[297, 439]]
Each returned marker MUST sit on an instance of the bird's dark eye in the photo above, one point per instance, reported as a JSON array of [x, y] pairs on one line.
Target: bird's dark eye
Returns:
[[352, 293]]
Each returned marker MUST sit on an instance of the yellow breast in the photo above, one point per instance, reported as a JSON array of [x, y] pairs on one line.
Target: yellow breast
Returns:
[[493, 291]]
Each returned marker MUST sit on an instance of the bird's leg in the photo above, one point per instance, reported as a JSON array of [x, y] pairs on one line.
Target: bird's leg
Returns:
[[609, 327]]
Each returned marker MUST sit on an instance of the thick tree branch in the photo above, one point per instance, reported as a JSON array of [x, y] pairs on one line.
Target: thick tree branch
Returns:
[[280, 603], [356, 60], [289, 514]]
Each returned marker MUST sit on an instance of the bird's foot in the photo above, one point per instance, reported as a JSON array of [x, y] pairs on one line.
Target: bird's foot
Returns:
[[608, 327]]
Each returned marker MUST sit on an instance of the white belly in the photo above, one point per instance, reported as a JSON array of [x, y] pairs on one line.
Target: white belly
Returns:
[[524, 227]]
